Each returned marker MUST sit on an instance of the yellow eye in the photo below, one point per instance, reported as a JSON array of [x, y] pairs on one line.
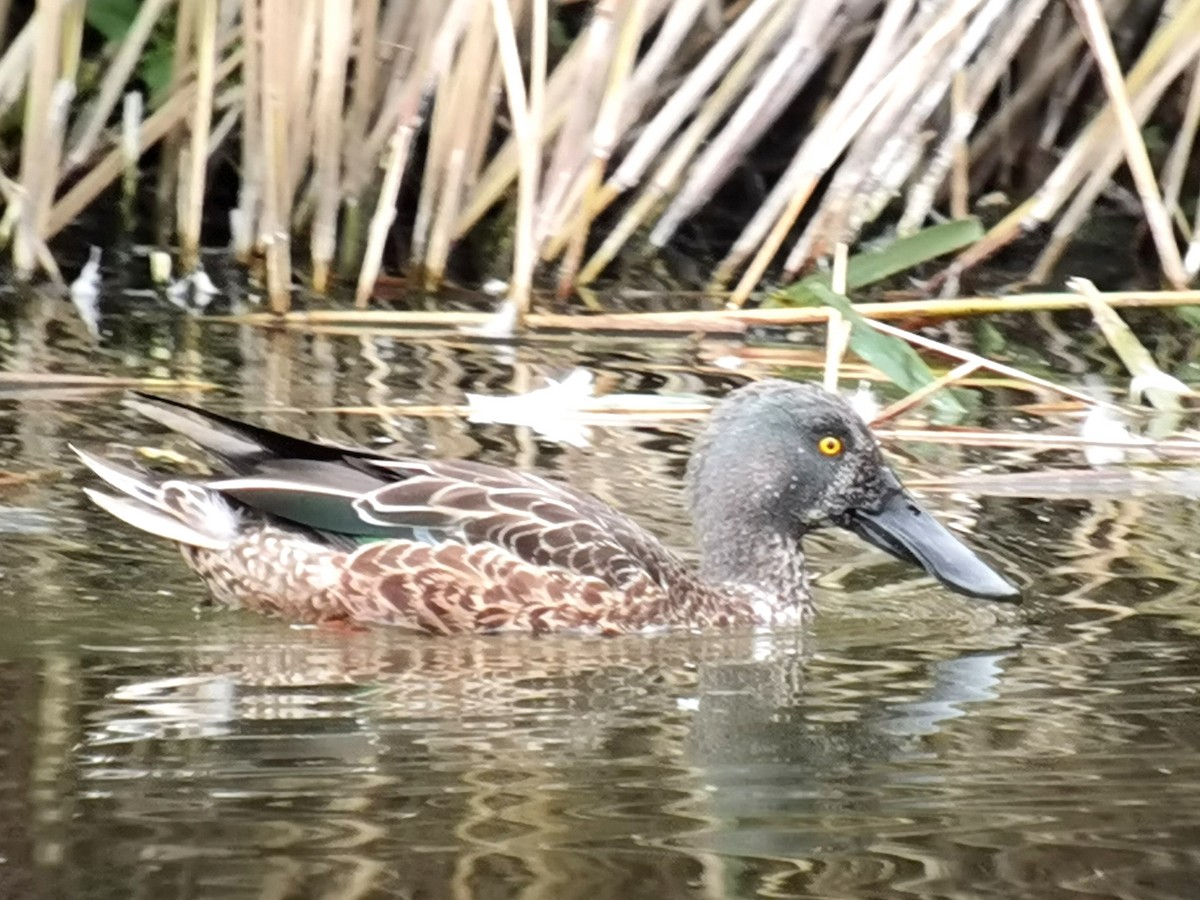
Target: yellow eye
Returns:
[[830, 445]]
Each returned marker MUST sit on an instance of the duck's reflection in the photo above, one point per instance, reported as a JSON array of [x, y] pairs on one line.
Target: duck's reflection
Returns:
[[334, 765]]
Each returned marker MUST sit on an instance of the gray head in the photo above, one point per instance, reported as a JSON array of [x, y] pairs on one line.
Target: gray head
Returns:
[[779, 459]]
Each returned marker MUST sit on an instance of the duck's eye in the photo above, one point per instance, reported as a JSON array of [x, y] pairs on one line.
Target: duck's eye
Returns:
[[830, 445]]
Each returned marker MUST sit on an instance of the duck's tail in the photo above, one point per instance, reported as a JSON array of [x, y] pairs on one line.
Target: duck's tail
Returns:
[[244, 448], [180, 511]]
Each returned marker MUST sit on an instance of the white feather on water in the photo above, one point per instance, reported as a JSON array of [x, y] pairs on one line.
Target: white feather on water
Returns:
[[563, 409]]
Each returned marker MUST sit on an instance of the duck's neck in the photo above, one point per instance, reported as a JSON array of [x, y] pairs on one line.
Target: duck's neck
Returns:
[[764, 565]]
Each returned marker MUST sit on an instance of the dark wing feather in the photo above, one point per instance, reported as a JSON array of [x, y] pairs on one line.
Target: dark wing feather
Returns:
[[357, 493], [247, 449], [302, 481], [537, 520]]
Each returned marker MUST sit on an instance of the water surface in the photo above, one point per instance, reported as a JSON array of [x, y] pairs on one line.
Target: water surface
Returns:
[[914, 743]]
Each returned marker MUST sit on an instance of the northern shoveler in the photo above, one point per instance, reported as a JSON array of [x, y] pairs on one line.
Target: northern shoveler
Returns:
[[319, 532]]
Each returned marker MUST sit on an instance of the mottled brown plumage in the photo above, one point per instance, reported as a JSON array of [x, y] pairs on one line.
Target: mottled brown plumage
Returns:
[[319, 533]]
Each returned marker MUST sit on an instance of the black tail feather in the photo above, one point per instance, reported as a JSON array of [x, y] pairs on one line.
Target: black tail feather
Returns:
[[246, 449]]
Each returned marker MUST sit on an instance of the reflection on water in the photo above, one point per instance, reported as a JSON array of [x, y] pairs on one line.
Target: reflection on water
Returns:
[[915, 744]]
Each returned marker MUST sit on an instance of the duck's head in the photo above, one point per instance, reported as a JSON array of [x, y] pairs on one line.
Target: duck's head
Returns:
[[779, 459]]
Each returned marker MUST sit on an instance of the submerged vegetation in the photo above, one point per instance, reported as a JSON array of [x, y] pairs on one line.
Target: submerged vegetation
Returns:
[[560, 142]]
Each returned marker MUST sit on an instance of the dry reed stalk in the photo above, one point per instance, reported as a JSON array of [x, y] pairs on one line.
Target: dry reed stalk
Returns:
[[300, 92], [1093, 155], [71, 37], [837, 328], [669, 172], [1095, 168], [921, 394], [433, 170], [667, 49], [244, 219], [52, 153], [229, 104], [35, 179], [982, 362], [399, 35], [201, 126], [529, 150], [871, 129], [1095, 28], [72, 48], [132, 114], [690, 93], [572, 98], [14, 65], [562, 95], [572, 180], [837, 336], [1175, 168], [116, 77], [395, 37], [994, 60], [276, 41], [815, 29], [366, 70], [481, 133], [526, 257], [729, 321], [160, 123], [403, 35], [604, 140], [887, 150], [571, 149], [802, 174], [1191, 261], [327, 148], [1169, 43], [457, 112], [228, 12], [1065, 97], [567, 191], [993, 138], [356, 127], [433, 60], [854, 105], [168, 167], [385, 210], [959, 160]]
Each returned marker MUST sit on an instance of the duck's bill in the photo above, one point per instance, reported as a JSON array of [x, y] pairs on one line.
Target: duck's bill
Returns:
[[905, 530]]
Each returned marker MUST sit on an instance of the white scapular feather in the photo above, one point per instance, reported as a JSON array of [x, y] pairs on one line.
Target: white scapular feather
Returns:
[[124, 480], [205, 519], [156, 521]]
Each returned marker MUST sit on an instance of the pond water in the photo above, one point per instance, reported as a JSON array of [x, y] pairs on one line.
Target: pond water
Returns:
[[913, 743]]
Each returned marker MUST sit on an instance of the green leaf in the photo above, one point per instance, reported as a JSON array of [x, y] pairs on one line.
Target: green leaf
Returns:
[[892, 356], [988, 339], [908, 252], [111, 18], [899, 256], [1189, 314], [155, 69]]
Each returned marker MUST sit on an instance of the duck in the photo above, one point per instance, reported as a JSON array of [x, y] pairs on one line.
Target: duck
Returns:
[[323, 533]]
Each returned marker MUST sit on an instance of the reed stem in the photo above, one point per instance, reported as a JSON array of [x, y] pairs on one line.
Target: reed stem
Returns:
[[201, 124], [331, 89]]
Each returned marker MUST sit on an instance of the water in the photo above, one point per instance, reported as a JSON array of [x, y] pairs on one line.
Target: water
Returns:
[[913, 744]]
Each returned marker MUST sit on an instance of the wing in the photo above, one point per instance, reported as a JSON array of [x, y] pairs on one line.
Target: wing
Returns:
[[536, 520]]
